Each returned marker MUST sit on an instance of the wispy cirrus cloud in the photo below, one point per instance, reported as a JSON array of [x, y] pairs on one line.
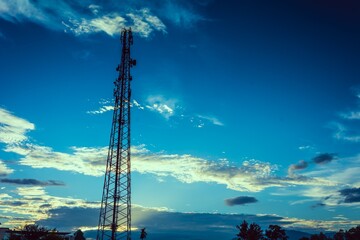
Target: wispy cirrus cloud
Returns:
[[141, 22], [102, 109], [342, 129], [82, 18], [90, 17], [213, 120], [342, 133]]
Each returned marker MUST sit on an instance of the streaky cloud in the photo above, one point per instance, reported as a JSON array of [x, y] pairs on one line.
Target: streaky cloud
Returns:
[[30, 181]]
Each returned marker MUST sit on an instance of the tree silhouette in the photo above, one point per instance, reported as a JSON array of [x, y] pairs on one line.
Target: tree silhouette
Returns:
[[255, 232], [35, 232], [275, 232], [143, 234], [79, 235], [320, 236], [340, 235], [246, 232], [353, 233], [243, 229]]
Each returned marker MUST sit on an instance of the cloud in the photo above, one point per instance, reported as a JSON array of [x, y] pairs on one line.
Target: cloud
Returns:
[[84, 160], [302, 164], [353, 115], [242, 200], [341, 133], [161, 105], [165, 224], [352, 195], [211, 119], [13, 129], [27, 181], [4, 170], [82, 19], [26, 205], [102, 109], [324, 158], [179, 14]]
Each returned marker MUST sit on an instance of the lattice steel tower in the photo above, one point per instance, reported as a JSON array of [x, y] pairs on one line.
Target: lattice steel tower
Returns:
[[115, 213]]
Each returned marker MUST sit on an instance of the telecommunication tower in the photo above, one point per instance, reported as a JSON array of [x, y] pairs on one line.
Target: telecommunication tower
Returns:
[[115, 213]]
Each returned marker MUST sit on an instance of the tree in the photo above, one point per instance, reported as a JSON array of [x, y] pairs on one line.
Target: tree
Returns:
[[255, 232], [320, 236], [79, 235], [34, 232], [52, 236], [143, 234], [275, 232], [353, 233], [340, 235], [246, 232], [243, 229], [14, 237]]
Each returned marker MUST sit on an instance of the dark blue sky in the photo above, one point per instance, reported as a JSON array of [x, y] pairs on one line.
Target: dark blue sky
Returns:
[[231, 100]]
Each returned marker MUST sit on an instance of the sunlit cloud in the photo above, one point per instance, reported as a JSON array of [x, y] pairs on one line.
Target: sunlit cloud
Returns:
[[4, 170], [30, 204], [163, 221], [103, 109], [163, 106], [12, 128]]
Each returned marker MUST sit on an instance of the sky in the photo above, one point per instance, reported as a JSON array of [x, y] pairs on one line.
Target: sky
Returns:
[[241, 110]]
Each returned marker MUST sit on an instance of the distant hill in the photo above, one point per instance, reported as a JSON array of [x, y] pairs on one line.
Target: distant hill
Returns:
[[296, 235], [292, 234]]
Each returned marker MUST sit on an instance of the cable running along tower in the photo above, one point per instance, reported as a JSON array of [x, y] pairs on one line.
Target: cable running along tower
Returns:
[[115, 213]]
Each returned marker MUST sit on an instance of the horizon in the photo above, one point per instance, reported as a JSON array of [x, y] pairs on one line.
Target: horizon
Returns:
[[244, 110]]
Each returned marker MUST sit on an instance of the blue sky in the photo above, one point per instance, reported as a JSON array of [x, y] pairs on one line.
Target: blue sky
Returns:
[[241, 110]]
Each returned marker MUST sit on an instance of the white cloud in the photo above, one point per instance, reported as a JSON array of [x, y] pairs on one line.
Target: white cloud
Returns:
[[19, 10], [250, 176], [103, 109], [138, 105], [166, 107], [211, 119], [30, 204], [4, 170], [87, 161], [13, 129], [82, 19]]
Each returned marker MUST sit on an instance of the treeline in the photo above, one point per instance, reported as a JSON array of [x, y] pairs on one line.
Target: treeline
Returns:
[[36, 232], [275, 232]]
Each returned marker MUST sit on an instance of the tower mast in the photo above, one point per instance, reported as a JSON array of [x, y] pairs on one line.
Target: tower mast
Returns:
[[115, 212]]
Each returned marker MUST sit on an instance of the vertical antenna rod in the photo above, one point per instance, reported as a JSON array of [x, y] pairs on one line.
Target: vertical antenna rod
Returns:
[[115, 212]]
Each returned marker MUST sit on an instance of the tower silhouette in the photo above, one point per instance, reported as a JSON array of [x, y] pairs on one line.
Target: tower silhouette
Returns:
[[115, 212]]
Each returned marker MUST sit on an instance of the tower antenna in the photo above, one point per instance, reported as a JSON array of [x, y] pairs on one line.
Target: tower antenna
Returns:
[[115, 212]]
